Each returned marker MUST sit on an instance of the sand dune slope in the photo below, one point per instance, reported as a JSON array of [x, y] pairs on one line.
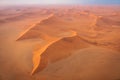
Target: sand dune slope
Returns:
[[55, 50]]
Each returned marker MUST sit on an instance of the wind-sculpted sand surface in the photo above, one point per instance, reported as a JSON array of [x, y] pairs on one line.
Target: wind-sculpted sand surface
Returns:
[[60, 43]]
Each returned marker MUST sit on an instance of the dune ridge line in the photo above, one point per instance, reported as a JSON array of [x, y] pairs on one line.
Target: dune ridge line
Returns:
[[37, 54], [34, 24]]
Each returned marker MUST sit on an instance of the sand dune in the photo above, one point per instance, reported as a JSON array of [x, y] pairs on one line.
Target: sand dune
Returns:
[[41, 28], [50, 50], [51, 54], [51, 28], [18, 15], [60, 43], [53, 24], [31, 33]]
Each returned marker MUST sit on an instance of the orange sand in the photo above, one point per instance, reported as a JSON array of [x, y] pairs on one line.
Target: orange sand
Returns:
[[60, 43]]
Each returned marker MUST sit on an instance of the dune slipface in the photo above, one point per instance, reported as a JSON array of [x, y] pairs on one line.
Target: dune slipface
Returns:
[[57, 50]]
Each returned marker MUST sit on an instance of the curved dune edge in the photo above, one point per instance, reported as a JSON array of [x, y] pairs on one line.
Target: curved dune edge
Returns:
[[32, 26], [22, 34], [38, 53]]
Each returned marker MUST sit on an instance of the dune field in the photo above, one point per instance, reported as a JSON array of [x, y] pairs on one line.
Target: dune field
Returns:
[[60, 43]]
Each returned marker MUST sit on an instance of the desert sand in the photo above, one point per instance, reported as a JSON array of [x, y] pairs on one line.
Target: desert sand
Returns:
[[60, 43]]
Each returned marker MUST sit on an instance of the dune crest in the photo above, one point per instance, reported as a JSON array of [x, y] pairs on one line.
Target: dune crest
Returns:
[[23, 36], [37, 54]]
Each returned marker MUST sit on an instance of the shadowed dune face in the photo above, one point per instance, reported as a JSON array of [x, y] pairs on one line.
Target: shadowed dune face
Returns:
[[37, 54], [67, 42], [59, 50]]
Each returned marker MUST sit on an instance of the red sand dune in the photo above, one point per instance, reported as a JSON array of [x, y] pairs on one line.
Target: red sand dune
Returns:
[[50, 28], [58, 50], [60, 43]]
